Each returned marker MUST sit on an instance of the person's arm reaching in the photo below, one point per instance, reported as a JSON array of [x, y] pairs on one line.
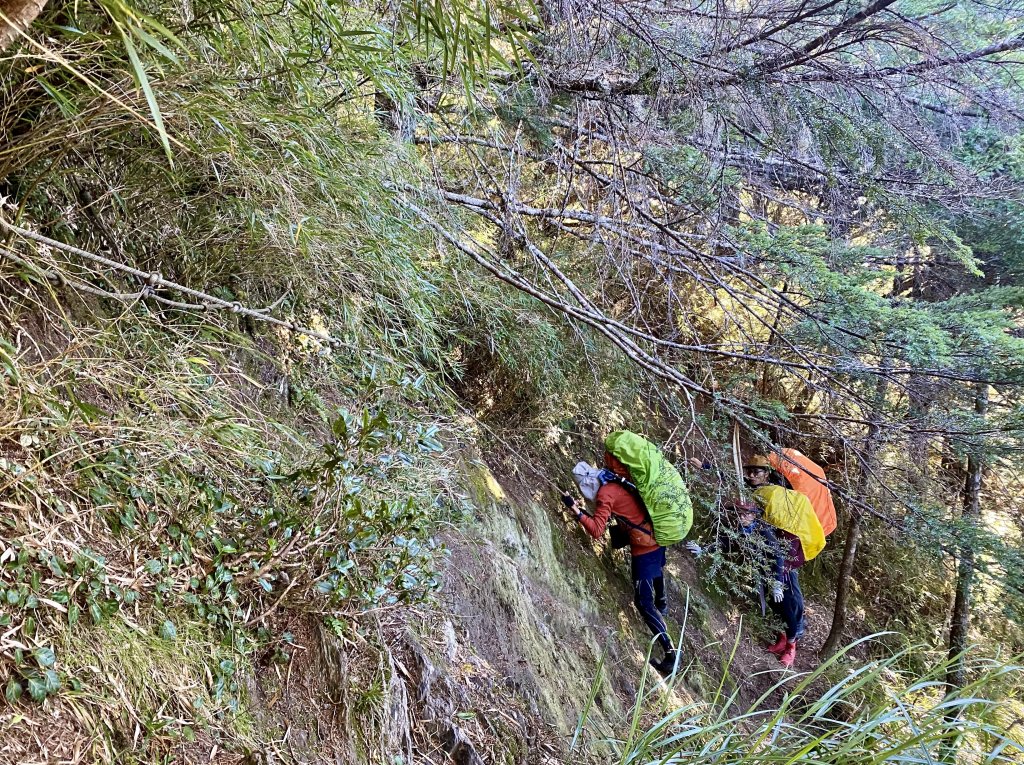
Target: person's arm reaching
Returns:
[[772, 540], [595, 524]]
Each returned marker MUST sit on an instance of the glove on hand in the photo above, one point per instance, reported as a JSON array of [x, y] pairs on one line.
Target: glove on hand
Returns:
[[568, 500], [695, 548], [777, 591]]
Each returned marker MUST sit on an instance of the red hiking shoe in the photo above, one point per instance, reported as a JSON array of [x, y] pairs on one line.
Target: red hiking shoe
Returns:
[[779, 646], [788, 656]]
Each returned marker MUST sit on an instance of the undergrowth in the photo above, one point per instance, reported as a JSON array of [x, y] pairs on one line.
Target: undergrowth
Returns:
[[150, 502], [841, 712]]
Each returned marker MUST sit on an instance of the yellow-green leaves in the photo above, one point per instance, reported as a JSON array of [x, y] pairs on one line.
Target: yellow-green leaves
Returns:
[[134, 27]]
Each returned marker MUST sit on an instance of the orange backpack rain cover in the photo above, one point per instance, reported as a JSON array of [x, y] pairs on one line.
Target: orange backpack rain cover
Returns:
[[803, 474]]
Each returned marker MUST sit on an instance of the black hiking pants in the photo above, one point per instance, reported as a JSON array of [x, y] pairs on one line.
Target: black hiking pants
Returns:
[[649, 594], [791, 609]]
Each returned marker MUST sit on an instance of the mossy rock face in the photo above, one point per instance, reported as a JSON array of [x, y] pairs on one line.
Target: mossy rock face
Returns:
[[546, 605], [559, 602], [539, 602]]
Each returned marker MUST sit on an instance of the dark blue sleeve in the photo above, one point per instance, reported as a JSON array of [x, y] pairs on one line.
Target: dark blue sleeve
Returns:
[[772, 540]]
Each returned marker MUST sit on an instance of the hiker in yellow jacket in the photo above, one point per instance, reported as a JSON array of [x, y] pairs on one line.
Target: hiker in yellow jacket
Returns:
[[785, 509]]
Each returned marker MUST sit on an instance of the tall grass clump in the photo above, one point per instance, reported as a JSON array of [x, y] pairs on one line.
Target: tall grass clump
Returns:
[[838, 714]]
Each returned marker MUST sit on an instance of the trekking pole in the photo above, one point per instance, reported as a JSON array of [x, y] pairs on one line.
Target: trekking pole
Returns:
[[737, 459]]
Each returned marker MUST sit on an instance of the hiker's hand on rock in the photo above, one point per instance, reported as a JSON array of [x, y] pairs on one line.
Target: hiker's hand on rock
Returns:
[[777, 591], [695, 548], [696, 463]]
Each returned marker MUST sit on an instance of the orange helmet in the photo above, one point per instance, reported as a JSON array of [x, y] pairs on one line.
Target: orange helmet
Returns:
[[757, 461]]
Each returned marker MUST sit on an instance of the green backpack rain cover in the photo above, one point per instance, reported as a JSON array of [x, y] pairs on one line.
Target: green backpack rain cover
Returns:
[[659, 484]]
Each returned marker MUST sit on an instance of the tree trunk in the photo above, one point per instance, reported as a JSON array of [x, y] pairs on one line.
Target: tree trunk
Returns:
[[16, 18], [960, 623], [872, 442], [843, 583]]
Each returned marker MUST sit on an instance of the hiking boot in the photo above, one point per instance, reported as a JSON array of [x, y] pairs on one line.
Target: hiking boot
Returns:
[[788, 656], [668, 664], [780, 646]]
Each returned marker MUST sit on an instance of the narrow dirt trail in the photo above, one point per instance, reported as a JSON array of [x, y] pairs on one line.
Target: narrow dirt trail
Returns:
[[732, 646]]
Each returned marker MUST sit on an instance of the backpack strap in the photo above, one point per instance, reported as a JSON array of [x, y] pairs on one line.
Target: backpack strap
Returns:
[[632, 525], [609, 477]]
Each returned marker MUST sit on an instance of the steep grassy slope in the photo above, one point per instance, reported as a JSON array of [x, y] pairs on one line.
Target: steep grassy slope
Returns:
[[195, 567], [198, 513], [166, 516], [221, 541]]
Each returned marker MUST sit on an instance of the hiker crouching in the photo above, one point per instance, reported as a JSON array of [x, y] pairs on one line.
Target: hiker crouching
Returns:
[[614, 496], [783, 555], [776, 555]]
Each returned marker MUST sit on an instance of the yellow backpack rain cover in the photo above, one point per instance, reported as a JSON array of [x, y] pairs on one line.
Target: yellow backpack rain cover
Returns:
[[791, 511]]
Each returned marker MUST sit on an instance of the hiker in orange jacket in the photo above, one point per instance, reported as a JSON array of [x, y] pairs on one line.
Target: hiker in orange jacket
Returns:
[[614, 496]]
